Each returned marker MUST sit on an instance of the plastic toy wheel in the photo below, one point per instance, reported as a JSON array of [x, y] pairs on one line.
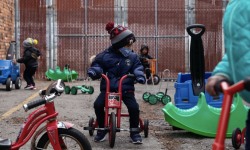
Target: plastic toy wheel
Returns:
[[9, 84], [146, 128], [91, 121], [159, 95], [73, 90], [156, 79], [83, 90], [112, 132], [165, 99], [18, 83], [145, 96], [152, 99], [236, 138], [91, 90], [67, 89]]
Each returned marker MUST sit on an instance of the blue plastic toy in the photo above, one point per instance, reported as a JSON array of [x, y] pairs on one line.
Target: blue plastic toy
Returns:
[[9, 74], [184, 97]]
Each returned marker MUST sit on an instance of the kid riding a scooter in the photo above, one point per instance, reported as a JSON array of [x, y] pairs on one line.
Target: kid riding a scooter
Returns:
[[235, 64], [117, 61]]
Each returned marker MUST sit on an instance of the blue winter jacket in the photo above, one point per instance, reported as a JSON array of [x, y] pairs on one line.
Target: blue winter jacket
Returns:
[[235, 64], [115, 64]]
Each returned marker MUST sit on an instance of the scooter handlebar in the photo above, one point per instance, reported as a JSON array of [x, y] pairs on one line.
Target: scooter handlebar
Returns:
[[247, 83], [217, 87]]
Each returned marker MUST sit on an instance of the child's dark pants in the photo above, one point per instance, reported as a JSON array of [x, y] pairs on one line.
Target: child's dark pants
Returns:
[[147, 71], [247, 146], [129, 100], [27, 75]]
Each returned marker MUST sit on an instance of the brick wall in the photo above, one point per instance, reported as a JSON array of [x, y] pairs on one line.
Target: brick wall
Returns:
[[6, 25]]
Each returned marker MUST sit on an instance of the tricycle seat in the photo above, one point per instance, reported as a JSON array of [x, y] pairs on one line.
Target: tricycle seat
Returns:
[[5, 144]]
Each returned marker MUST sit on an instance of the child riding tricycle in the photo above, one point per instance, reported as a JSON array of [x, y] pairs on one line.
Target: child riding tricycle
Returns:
[[113, 100], [113, 65]]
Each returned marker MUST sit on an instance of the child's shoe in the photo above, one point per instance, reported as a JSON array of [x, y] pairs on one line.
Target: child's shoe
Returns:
[[28, 87], [34, 87], [100, 136], [136, 138]]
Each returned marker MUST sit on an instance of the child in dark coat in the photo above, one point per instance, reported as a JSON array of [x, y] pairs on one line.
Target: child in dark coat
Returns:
[[29, 58], [115, 62], [144, 56]]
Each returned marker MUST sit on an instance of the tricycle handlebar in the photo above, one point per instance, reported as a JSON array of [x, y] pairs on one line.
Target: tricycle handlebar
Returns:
[[132, 76]]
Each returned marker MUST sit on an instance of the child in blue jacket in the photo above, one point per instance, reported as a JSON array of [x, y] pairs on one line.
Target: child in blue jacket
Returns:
[[115, 62], [235, 64]]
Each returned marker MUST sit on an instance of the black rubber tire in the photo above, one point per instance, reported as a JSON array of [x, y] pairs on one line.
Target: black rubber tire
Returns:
[[165, 99], [112, 132], [9, 84], [235, 142], [67, 89], [91, 121], [70, 132], [156, 79], [146, 123], [18, 83], [73, 90], [152, 99], [145, 96], [91, 88]]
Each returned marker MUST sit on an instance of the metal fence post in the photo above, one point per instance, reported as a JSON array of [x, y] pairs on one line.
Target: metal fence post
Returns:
[[187, 37], [192, 12], [86, 38], [50, 52], [16, 28], [156, 38], [54, 50]]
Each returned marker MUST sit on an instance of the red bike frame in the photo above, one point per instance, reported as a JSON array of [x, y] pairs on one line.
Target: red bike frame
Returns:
[[118, 108], [228, 92], [34, 121]]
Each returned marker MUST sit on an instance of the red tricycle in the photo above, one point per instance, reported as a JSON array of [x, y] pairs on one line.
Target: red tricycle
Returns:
[[222, 86], [55, 135], [113, 100]]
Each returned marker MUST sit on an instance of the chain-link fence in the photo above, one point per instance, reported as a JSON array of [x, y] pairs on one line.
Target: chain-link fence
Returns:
[[33, 24], [69, 32]]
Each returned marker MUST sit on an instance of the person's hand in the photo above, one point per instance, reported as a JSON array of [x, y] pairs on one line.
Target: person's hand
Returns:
[[211, 83], [14, 60]]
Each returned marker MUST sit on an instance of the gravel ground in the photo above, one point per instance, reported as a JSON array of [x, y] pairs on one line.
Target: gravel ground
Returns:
[[77, 109]]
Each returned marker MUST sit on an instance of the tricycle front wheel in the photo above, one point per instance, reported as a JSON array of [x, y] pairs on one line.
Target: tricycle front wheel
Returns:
[[112, 132]]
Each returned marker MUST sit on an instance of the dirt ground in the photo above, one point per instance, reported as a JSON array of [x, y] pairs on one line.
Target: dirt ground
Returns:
[[78, 109]]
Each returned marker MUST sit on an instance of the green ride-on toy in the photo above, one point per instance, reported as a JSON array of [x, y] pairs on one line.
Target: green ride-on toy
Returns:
[[67, 89], [160, 96], [84, 89]]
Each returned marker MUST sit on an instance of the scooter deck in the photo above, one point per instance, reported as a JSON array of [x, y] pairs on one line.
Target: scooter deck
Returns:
[[203, 119], [58, 74]]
